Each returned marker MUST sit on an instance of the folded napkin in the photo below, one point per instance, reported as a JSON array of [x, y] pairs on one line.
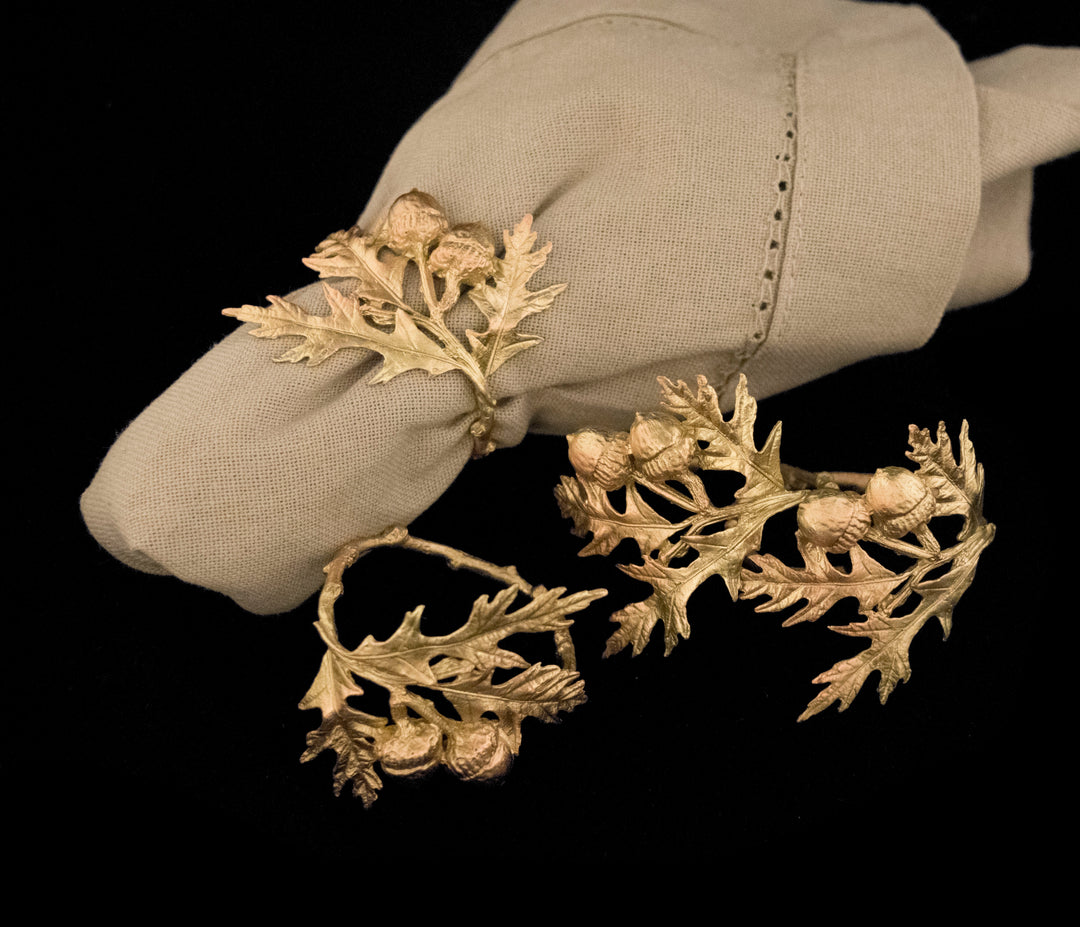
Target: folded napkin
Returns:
[[762, 187]]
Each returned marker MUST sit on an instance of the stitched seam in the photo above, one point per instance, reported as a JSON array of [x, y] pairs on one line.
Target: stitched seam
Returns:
[[763, 305], [793, 250]]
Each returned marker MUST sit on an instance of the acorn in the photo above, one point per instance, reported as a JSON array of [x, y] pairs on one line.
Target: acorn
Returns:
[[661, 447], [901, 502], [602, 458], [835, 521], [465, 254], [414, 221], [411, 749], [478, 752]]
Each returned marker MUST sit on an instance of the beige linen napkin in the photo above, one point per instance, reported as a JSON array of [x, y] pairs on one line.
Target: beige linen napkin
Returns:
[[773, 188]]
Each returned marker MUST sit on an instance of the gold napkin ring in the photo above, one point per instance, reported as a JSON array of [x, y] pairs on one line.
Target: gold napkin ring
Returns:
[[661, 457], [481, 742], [377, 316]]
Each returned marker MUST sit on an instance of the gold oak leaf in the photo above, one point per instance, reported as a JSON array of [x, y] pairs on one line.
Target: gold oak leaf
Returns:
[[355, 755], [720, 554], [406, 656], [347, 254], [941, 594], [730, 441], [346, 731], [958, 488], [723, 553], [672, 588], [890, 638], [887, 654], [592, 511], [331, 686], [403, 348], [820, 583], [537, 692], [509, 301]]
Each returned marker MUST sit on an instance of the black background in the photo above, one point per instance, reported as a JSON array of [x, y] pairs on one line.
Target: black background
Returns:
[[191, 160]]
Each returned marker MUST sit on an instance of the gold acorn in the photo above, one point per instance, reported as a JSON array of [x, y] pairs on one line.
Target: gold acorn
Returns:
[[412, 748], [899, 501], [478, 752], [835, 521], [602, 458], [465, 254], [414, 221], [661, 447]]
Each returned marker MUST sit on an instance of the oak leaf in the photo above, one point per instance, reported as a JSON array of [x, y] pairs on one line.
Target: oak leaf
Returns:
[[349, 733], [355, 755], [347, 254], [819, 583], [730, 441], [958, 488], [540, 691], [505, 304], [331, 686], [890, 637], [403, 348], [593, 512], [409, 656], [672, 589], [941, 594], [720, 554], [723, 553], [887, 654]]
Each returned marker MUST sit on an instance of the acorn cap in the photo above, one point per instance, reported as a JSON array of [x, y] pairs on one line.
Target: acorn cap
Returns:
[[835, 521], [413, 748], [478, 752], [899, 500], [660, 445], [466, 253], [602, 458], [415, 219]]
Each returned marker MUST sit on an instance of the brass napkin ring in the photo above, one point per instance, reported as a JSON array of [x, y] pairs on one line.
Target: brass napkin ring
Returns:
[[481, 742], [661, 455], [377, 316]]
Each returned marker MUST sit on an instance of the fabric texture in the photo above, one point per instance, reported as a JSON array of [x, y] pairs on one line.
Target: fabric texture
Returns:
[[761, 187]]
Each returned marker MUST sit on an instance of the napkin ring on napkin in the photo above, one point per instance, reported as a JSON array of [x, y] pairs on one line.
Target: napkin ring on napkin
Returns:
[[377, 316]]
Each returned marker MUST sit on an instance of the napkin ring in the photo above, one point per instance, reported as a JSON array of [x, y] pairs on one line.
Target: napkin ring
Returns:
[[376, 315], [480, 743], [661, 458]]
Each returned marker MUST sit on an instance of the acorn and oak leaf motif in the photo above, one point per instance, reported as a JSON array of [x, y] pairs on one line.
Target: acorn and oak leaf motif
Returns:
[[664, 454], [480, 742], [661, 456], [375, 314]]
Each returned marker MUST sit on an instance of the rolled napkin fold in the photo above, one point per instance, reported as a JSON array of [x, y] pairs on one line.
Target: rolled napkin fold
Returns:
[[763, 187]]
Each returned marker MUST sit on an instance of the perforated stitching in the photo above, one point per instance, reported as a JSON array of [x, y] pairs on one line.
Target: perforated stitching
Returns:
[[763, 305]]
